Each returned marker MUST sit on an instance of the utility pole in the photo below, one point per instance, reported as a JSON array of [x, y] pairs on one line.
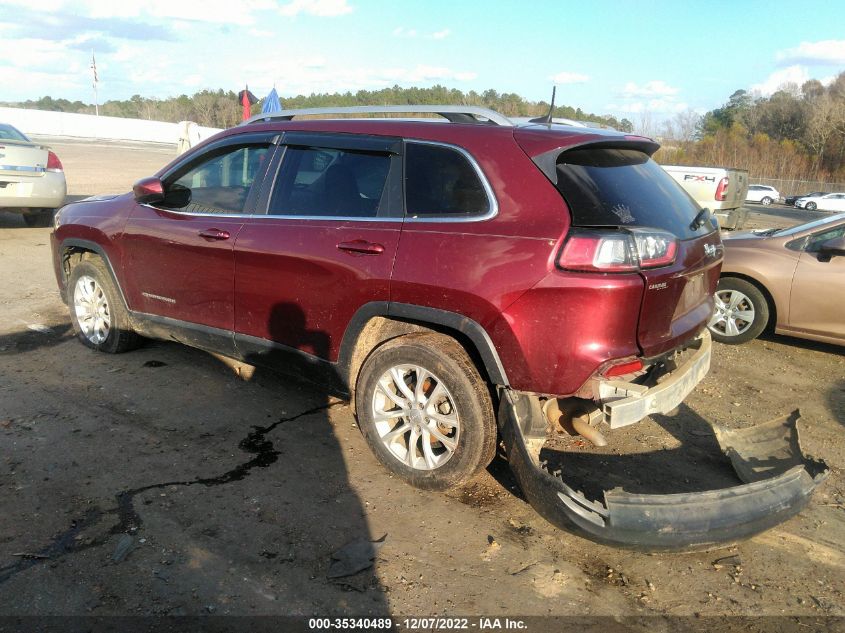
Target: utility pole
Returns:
[[94, 68]]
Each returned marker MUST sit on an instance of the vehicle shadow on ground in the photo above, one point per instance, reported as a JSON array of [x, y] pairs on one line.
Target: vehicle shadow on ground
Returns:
[[816, 346], [28, 340], [836, 400], [10, 220], [292, 462]]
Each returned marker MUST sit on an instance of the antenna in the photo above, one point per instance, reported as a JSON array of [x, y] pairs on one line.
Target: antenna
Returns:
[[548, 118]]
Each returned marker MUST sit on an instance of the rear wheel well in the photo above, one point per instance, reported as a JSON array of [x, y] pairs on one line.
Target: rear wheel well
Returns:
[[773, 317], [380, 329]]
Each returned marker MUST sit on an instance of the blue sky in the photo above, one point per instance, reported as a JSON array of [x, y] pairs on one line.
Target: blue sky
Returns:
[[632, 59]]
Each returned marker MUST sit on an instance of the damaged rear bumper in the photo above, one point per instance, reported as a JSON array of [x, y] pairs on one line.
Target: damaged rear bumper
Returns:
[[777, 482]]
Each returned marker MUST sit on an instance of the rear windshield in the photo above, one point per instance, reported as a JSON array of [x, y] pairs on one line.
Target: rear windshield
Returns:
[[7, 132], [624, 187]]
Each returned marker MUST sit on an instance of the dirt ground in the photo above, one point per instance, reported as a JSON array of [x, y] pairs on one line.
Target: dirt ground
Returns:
[[168, 481]]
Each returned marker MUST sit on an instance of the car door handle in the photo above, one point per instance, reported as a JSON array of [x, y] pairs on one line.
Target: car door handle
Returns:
[[214, 234], [362, 247]]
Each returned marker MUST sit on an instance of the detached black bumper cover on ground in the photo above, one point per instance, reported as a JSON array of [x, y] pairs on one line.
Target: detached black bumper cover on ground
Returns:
[[778, 481]]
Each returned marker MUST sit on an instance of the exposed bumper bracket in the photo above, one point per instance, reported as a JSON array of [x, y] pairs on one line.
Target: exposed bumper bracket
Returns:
[[625, 403]]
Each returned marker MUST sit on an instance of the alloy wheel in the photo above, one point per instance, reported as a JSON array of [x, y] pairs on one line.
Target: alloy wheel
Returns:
[[415, 417], [92, 310]]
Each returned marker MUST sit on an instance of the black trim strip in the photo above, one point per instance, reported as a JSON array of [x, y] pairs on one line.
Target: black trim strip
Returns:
[[477, 334]]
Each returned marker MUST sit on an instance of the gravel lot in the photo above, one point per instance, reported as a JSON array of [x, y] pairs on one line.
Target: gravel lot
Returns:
[[169, 481]]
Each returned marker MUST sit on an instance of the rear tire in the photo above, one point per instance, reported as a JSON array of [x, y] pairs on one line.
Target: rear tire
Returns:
[[97, 313], [425, 411], [741, 313]]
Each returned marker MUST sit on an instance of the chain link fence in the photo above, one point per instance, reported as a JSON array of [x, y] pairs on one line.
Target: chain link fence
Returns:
[[789, 187]]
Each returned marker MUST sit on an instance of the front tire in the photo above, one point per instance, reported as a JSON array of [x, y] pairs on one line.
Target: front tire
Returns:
[[811, 206], [741, 313], [425, 411], [766, 201], [99, 318]]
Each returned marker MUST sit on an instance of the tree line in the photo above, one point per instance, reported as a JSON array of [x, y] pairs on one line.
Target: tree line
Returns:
[[221, 108], [797, 133]]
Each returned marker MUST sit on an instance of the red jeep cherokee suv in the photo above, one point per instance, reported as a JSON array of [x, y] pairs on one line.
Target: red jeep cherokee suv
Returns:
[[431, 269]]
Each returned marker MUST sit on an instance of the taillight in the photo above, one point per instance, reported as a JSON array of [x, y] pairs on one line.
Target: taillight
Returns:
[[53, 162], [655, 248], [612, 251], [722, 190]]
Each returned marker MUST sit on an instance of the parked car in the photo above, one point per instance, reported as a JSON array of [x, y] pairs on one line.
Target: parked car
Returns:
[[32, 180], [790, 280], [764, 194], [721, 190], [437, 273], [791, 200], [824, 202]]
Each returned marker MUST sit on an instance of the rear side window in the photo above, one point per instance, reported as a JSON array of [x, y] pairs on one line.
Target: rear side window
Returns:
[[623, 187], [441, 182], [327, 182]]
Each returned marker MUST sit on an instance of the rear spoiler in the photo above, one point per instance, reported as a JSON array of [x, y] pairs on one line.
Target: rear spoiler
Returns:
[[547, 161]]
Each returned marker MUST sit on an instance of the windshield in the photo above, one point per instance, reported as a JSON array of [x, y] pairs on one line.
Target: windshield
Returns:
[[8, 133], [624, 187]]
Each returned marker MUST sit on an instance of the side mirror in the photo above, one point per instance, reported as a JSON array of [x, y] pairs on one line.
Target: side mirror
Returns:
[[832, 248], [148, 190]]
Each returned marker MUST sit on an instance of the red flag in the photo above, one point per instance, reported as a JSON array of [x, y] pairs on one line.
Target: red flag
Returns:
[[247, 99], [245, 104]]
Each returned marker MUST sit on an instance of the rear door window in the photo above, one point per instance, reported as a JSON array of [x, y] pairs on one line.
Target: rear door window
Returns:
[[441, 182], [331, 182], [624, 187]]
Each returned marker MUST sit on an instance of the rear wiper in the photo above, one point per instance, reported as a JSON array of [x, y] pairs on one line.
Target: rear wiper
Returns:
[[700, 219]]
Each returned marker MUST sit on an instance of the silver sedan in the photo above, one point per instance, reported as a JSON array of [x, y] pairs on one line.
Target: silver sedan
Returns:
[[32, 180]]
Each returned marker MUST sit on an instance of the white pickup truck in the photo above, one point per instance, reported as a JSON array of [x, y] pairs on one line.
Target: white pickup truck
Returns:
[[719, 189]]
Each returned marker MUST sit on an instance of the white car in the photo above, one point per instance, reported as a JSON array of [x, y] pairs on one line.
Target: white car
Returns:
[[32, 180], [764, 194], [827, 202]]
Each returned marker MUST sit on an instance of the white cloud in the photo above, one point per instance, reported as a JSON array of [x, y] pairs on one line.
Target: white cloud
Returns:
[[790, 75], [823, 53], [441, 35], [240, 13], [401, 31], [566, 77], [657, 106], [654, 96], [32, 53], [17, 83], [216, 11], [261, 33], [300, 76], [649, 89], [320, 8]]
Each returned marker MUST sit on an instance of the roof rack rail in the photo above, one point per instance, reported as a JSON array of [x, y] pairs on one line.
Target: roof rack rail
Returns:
[[453, 113]]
